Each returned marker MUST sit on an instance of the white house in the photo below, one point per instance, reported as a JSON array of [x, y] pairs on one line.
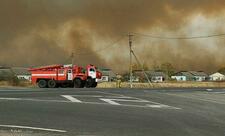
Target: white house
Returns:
[[182, 76], [217, 77], [199, 75], [22, 73], [107, 75], [154, 76]]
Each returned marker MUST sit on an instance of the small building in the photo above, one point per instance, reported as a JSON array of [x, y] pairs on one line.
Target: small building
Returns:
[[190, 76], [6, 74], [21, 73], [107, 75], [183, 76], [154, 76], [217, 77], [157, 76], [199, 75]]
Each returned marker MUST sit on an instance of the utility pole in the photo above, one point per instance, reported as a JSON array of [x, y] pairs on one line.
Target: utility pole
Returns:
[[130, 69]]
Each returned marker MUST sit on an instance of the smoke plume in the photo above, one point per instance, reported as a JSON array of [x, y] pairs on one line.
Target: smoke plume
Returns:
[[42, 32]]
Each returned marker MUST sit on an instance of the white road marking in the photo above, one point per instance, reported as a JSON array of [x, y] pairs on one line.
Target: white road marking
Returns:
[[110, 101], [194, 98], [209, 89], [113, 100], [119, 95], [123, 100], [34, 128], [10, 98], [95, 96], [71, 98], [93, 103], [155, 106]]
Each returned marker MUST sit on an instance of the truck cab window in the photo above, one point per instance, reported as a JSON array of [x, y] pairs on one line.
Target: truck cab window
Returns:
[[92, 70]]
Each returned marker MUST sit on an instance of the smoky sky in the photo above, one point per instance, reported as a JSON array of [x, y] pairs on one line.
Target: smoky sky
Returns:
[[42, 32]]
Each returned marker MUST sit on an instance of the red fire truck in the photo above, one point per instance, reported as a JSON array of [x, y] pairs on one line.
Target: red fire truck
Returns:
[[65, 76]]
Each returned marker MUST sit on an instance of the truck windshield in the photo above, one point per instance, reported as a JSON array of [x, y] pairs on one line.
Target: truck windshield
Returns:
[[92, 69]]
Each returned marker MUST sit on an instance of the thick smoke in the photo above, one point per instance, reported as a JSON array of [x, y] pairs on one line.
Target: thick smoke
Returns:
[[42, 32]]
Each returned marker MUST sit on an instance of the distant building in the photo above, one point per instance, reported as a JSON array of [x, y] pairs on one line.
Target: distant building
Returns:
[[107, 75], [182, 76], [6, 74], [154, 76], [217, 77], [199, 75], [190, 76], [22, 73]]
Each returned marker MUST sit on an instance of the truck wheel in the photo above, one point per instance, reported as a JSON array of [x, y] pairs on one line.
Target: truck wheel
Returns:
[[51, 84], [94, 84], [42, 83], [77, 83], [82, 84], [89, 83]]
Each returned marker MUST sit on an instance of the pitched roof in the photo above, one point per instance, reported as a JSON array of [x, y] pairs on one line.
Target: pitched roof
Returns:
[[183, 73], [156, 73], [217, 74], [190, 73], [150, 73], [198, 73], [21, 71], [107, 72]]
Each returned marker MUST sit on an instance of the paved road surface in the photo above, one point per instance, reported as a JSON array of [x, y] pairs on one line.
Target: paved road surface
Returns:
[[112, 112]]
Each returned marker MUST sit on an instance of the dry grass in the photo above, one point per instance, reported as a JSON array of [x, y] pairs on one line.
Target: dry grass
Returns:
[[18, 84], [163, 85], [135, 85]]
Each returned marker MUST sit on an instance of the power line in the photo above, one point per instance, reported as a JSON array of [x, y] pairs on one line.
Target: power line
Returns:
[[179, 38], [102, 49]]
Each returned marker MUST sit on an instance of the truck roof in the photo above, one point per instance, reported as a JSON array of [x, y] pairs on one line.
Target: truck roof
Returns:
[[46, 67]]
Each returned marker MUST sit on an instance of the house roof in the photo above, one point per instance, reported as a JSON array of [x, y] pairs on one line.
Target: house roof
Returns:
[[107, 72], [190, 73], [198, 73], [150, 73], [217, 74], [156, 73], [21, 71], [183, 73], [6, 72]]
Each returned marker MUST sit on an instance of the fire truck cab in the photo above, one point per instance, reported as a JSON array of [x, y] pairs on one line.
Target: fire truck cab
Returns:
[[65, 76]]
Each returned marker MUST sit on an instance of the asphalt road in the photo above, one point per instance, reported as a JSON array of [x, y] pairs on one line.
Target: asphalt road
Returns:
[[112, 112]]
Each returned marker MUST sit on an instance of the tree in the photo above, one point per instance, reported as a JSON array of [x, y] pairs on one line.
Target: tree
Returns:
[[167, 68], [222, 70], [138, 67]]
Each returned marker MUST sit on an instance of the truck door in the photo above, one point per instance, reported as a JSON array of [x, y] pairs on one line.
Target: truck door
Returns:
[[70, 74]]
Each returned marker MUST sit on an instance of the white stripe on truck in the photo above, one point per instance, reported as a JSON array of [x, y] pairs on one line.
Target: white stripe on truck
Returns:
[[47, 74]]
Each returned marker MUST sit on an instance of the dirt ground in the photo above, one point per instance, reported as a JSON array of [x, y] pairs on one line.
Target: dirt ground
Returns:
[[162, 85]]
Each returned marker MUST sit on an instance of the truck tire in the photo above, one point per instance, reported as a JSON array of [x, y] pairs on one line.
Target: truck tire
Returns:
[[77, 83], [51, 84], [82, 84], [94, 84], [42, 83], [89, 83]]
